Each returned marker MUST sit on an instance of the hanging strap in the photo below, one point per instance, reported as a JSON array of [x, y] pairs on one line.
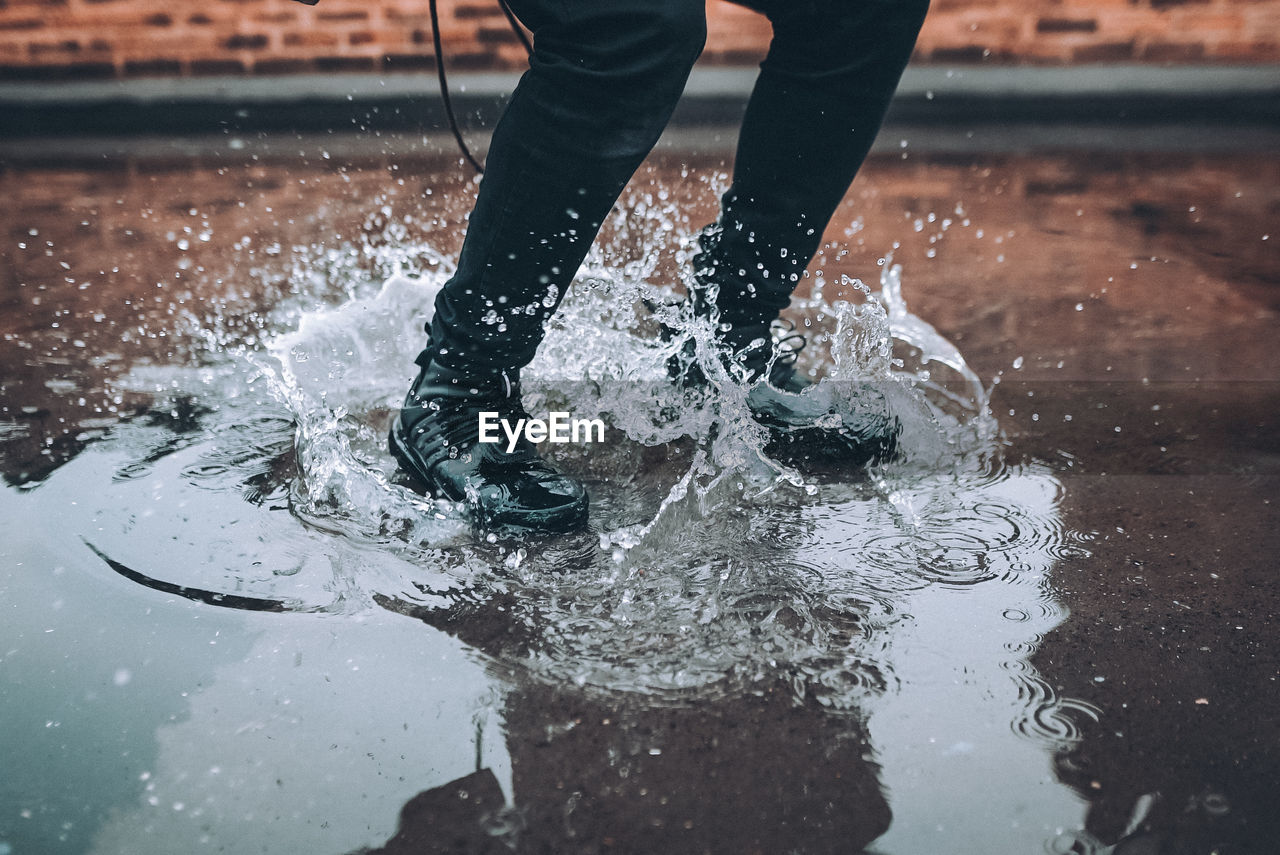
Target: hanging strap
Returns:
[[444, 82]]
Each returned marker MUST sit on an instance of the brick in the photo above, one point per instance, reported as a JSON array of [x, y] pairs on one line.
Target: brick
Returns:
[[1200, 23], [1245, 50], [467, 61], [153, 68], [282, 66], [282, 17], [68, 71], [345, 15], [408, 61], [39, 50], [246, 41], [967, 53], [468, 11], [216, 66], [412, 18], [311, 38], [344, 63], [1173, 52], [1066, 25], [1105, 52], [496, 36], [735, 57]]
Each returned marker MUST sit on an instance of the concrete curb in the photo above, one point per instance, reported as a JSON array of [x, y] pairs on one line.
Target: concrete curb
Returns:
[[928, 94]]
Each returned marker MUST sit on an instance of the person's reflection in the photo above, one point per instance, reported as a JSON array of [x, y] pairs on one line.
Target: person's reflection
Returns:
[[1144, 802], [1185, 758], [741, 774]]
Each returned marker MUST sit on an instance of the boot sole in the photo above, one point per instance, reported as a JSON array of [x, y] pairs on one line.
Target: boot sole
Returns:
[[817, 445]]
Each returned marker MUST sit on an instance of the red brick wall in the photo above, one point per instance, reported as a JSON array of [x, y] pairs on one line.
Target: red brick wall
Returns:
[[128, 38]]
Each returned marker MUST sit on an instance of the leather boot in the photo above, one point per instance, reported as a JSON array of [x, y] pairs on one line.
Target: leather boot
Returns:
[[436, 437], [803, 426]]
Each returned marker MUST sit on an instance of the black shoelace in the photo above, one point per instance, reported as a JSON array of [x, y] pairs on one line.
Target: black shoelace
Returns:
[[778, 347]]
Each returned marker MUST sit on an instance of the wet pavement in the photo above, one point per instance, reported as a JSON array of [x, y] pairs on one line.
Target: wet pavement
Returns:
[[230, 626]]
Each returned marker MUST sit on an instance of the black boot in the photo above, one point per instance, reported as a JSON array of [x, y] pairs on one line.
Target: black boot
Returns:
[[436, 437], [802, 427]]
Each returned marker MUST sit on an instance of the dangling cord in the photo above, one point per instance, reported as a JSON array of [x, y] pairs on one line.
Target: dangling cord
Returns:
[[444, 83], [515, 27]]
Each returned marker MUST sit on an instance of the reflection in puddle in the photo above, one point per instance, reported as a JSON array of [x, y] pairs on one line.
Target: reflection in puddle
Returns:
[[327, 739]]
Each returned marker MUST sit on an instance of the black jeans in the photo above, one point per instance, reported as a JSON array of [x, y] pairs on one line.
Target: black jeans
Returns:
[[603, 80]]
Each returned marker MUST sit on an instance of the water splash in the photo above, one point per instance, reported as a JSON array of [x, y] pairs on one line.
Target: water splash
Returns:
[[710, 567]]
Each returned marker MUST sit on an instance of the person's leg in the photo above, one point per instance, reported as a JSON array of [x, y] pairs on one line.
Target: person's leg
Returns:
[[822, 93], [603, 80], [817, 105]]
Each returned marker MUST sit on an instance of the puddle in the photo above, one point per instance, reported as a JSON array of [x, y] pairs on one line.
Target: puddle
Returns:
[[219, 475]]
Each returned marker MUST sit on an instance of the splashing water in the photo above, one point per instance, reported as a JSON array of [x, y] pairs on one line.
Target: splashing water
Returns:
[[709, 568]]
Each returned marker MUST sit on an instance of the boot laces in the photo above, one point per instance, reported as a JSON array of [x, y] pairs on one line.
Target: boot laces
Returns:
[[776, 349]]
